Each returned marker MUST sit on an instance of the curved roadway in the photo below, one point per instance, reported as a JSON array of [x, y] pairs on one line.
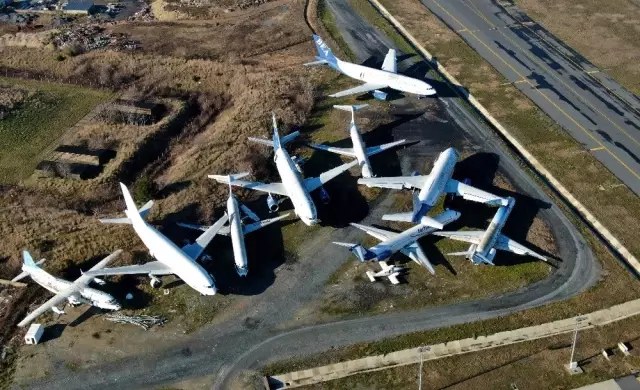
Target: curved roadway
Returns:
[[254, 335]]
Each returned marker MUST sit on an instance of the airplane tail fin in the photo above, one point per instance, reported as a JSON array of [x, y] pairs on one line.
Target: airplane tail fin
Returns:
[[131, 209], [28, 264], [325, 55], [353, 109], [277, 142], [362, 253]]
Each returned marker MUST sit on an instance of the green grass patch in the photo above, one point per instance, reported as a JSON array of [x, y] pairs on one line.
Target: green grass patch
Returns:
[[34, 125]]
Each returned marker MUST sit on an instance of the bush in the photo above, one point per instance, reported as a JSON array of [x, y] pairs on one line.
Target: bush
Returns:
[[144, 190]]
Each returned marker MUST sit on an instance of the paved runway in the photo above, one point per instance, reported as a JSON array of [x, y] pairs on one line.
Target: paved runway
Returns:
[[589, 104]]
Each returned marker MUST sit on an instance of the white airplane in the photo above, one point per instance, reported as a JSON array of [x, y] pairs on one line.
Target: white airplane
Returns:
[[293, 185], [374, 79], [388, 271], [405, 242], [484, 243], [170, 258], [359, 151], [236, 228], [75, 293], [431, 186]]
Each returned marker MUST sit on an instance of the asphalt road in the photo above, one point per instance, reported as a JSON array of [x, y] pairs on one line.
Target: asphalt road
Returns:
[[257, 333], [596, 110]]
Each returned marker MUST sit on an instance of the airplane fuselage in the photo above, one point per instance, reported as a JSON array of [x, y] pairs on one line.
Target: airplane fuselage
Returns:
[[385, 249], [237, 237], [437, 180], [169, 254], [378, 76], [360, 150], [86, 295], [488, 240], [303, 205]]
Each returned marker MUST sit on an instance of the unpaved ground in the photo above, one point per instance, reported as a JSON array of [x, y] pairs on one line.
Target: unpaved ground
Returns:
[[607, 35]]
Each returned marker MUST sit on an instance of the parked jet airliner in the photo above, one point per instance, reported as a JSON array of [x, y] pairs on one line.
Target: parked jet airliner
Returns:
[[484, 243], [374, 79], [237, 229], [431, 187], [405, 242], [170, 258], [293, 185], [359, 151], [76, 292]]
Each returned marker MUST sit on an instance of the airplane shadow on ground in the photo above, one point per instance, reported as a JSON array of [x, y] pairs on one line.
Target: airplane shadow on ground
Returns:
[[481, 169]]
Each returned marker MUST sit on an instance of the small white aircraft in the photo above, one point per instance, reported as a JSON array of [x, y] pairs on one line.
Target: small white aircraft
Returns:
[[293, 185], [236, 228], [405, 242], [75, 293], [432, 186], [484, 243], [170, 258], [359, 151], [388, 271], [374, 79]]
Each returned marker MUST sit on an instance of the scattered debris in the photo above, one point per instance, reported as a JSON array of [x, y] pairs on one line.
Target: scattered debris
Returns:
[[145, 322], [18, 19], [92, 37]]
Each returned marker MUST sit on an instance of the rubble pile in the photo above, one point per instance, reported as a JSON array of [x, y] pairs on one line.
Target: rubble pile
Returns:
[[17, 19], [93, 37], [9, 98], [143, 321], [244, 4], [143, 15]]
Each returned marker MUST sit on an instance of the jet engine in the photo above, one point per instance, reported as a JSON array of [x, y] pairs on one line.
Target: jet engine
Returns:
[[155, 282], [324, 196], [298, 162], [379, 95], [272, 203]]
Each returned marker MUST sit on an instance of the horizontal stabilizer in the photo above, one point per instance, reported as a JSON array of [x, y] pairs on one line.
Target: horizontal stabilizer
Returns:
[[283, 140], [314, 63], [342, 151], [124, 220], [249, 213], [228, 179], [381, 148], [357, 107], [398, 217]]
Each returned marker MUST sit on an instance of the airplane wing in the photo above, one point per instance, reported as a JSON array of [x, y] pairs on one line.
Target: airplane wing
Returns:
[[390, 63], [225, 230], [396, 183], [415, 253], [260, 224], [367, 87], [194, 250], [474, 194], [506, 244], [470, 236], [380, 234], [381, 148], [393, 278], [333, 149], [77, 285], [150, 268], [313, 183], [272, 188]]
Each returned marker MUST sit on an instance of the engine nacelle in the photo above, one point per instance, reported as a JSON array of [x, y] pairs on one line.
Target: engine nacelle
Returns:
[[324, 196], [155, 282], [298, 162], [272, 203], [415, 173], [379, 95]]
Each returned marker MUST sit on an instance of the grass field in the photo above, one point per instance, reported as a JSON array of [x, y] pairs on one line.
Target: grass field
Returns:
[[36, 123]]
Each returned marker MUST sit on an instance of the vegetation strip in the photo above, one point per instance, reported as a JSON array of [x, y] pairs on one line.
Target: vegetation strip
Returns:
[[456, 347], [584, 212]]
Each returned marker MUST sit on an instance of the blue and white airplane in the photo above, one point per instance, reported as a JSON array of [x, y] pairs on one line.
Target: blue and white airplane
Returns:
[[484, 243], [359, 150], [292, 185], [405, 242], [375, 80], [431, 187], [75, 293]]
